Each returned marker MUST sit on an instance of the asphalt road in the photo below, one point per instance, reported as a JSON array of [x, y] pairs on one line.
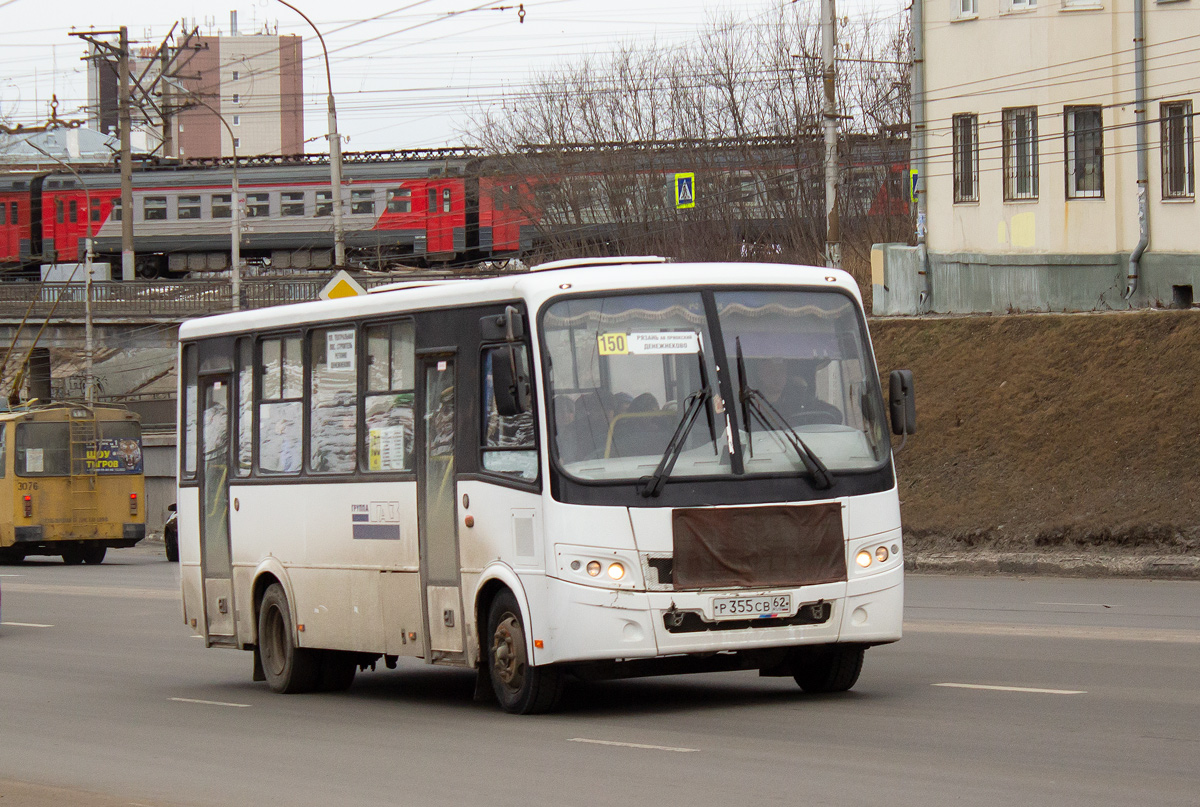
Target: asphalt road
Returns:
[[1004, 691]]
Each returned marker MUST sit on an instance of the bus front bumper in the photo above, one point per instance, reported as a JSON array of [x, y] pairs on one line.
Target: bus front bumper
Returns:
[[593, 624]]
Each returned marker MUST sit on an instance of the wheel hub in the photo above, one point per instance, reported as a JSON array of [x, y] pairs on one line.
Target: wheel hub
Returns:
[[508, 652]]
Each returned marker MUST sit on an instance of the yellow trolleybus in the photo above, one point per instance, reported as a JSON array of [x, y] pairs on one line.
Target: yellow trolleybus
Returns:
[[71, 482]]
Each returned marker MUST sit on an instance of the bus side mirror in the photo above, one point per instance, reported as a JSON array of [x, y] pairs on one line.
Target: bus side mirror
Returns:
[[509, 384], [171, 507], [902, 400]]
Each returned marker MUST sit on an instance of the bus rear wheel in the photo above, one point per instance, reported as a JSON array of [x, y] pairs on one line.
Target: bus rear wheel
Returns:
[[94, 555], [520, 687], [73, 556], [287, 668], [828, 668]]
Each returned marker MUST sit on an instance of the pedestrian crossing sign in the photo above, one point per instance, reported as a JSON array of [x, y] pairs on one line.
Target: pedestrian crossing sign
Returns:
[[685, 191]]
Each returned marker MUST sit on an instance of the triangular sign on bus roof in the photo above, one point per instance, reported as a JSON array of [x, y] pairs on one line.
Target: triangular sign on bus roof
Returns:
[[341, 285]]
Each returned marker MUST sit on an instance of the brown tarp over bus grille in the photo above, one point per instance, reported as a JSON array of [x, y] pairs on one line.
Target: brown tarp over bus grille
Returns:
[[780, 545]]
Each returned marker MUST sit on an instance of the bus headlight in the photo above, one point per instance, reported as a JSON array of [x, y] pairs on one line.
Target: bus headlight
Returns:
[[616, 571], [593, 568], [863, 558], [881, 554]]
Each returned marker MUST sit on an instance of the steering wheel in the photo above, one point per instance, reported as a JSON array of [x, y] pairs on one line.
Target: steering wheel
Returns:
[[811, 417]]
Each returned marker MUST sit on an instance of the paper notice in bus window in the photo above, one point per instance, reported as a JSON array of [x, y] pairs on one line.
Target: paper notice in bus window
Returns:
[[657, 343], [339, 350], [33, 460], [386, 449]]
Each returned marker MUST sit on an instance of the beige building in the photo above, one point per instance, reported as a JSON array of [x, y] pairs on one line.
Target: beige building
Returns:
[[1031, 156]]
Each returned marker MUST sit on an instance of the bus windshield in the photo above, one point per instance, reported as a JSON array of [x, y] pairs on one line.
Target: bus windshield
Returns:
[[623, 367]]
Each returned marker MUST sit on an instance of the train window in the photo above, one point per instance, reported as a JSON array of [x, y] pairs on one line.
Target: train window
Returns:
[[258, 205], [362, 202], [399, 200], [189, 207], [13, 218], [95, 210], [222, 206], [73, 215], [116, 209], [325, 203], [58, 207], [293, 203], [388, 402], [433, 200], [445, 200], [154, 208]]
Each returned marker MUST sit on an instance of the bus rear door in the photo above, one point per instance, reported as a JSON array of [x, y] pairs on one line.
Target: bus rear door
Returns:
[[215, 555]]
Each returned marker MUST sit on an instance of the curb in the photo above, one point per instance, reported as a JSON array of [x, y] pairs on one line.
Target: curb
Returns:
[[1160, 567]]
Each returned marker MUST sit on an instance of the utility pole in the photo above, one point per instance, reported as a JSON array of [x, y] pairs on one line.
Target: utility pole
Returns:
[[833, 228], [128, 261]]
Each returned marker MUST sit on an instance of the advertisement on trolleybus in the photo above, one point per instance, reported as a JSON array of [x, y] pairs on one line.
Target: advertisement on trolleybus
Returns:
[[601, 468]]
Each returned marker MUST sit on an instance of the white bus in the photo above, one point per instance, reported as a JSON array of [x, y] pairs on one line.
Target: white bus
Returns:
[[601, 469]]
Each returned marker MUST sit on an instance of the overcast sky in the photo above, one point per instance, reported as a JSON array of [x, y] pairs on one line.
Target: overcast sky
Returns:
[[406, 73]]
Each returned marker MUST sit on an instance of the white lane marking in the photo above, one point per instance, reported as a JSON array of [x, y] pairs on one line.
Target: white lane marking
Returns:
[[633, 745], [1117, 634], [211, 703], [12, 575], [26, 625], [1079, 604], [1016, 689]]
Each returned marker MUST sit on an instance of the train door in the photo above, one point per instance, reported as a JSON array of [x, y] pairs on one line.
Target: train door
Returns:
[[440, 219], [437, 510]]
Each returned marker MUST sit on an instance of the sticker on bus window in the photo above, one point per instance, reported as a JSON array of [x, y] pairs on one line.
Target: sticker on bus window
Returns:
[[33, 461], [339, 350], [651, 342], [386, 449]]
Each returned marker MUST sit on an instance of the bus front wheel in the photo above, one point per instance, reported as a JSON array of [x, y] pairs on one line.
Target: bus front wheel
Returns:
[[287, 668], [829, 668], [520, 687]]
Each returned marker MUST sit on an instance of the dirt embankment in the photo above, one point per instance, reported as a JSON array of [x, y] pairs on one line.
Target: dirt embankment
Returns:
[[1066, 431]]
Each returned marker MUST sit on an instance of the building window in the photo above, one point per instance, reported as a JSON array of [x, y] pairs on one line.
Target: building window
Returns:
[[967, 8], [966, 158], [222, 207], [362, 202], [325, 203], [237, 99], [292, 204], [235, 75], [445, 200], [154, 208], [189, 207], [399, 200], [1083, 129], [258, 205], [1178, 169], [1018, 5], [237, 142], [1020, 153], [237, 120]]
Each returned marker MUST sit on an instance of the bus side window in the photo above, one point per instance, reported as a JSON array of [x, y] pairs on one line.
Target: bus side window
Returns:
[[280, 406], [388, 402], [333, 392], [507, 441], [245, 406], [190, 399]]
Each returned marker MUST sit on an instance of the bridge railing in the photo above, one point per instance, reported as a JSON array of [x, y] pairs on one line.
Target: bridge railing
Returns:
[[167, 299]]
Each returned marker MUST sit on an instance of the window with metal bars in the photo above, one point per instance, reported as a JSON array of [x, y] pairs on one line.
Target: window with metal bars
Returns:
[[966, 158], [1084, 132], [1178, 168], [1020, 153]]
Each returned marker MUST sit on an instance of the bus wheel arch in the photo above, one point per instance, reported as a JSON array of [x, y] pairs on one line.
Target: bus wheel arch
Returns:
[[287, 667], [506, 655]]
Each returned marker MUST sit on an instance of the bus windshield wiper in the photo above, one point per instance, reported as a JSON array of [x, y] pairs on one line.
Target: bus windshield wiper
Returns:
[[694, 403], [755, 404]]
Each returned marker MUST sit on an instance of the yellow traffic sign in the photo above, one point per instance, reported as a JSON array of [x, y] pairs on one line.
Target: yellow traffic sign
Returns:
[[685, 190], [341, 285]]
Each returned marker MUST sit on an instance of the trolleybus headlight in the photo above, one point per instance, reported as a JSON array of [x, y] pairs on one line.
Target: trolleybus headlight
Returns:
[[863, 558], [593, 568], [881, 554], [616, 571]]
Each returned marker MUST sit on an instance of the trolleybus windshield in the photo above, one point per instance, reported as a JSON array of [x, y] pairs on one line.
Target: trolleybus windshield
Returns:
[[621, 367]]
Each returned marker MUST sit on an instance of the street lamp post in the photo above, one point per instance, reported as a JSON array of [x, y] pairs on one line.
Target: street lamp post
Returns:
[[335, 152], [235, 232]]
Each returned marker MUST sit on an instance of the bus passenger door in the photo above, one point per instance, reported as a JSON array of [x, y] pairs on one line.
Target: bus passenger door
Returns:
[[437, 526], [215, 555]]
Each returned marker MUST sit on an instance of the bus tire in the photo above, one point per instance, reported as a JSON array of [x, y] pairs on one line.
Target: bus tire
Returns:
[[520, 687], [94, 555], [288, 668], [338, 669], [829, 668], [73, 556]]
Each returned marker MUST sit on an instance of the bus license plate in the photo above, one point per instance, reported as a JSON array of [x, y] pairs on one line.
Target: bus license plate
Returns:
[[752, 607]]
